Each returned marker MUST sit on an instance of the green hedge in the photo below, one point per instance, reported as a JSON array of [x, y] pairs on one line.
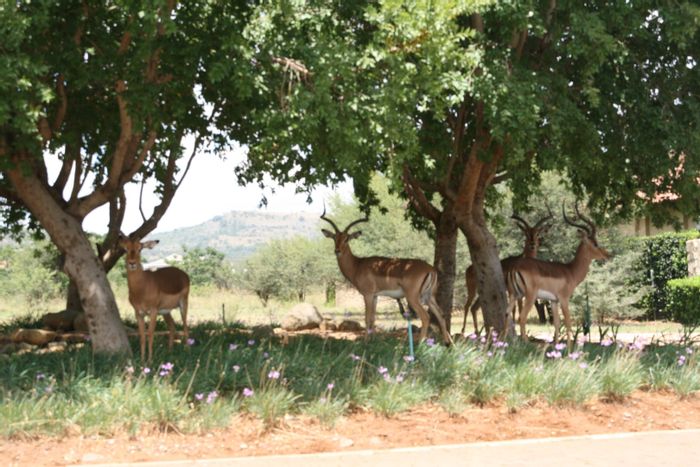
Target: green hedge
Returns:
[[684, 299], [664, 258]]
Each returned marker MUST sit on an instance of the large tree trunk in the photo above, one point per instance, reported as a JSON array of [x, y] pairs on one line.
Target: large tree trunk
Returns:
[[81, 264], [445, 252], [73, 297], [489, 274]]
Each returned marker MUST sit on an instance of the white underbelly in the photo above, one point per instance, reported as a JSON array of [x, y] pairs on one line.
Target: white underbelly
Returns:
[[546, 295], [397, 293]]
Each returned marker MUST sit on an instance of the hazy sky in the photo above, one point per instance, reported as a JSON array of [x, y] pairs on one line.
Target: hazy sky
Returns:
[[210, 189]]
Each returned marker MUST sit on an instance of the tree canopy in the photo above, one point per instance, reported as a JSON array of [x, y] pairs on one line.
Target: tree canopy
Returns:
[[449, 98]]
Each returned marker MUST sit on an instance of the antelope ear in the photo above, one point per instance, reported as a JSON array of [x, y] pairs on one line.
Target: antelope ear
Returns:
[[328, 233], [354, 235], [149, 244], [122, 239]]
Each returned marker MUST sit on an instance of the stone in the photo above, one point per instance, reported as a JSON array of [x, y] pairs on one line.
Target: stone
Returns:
[[328, 326], [693, 249], [33, 336], [302, 316], [60, 321], [349, 325]]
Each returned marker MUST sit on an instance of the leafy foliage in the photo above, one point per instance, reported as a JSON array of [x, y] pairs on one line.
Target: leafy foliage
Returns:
[[207, 266], [683, 300], [664, 258]]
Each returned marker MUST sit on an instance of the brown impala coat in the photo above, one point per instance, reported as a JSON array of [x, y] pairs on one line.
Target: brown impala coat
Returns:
[[154, 292], [376, 276], [531, 278]]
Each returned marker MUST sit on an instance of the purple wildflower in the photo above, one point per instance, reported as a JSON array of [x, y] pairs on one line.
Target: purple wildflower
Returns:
[[330, 386], [190, 341], [500, 344], [236, 368], [129, 369], [40, 376], [382, 370], [473, 336], [583, 365], [211, 397], [553, 354], [199, 396], [606, 342], [354, 357], [274, 374], [408, 358], [247, 392], [489, 354], [430, 342], [146, 370], [560, 346], [387, 377], [251, 342], [574, 355], [166, 368], [232, 347], [681, 360], [400, 377], [266, 355], [688, 350]]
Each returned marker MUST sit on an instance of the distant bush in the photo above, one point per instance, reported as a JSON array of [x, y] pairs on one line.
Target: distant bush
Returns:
[[683, 300], [663, 258]]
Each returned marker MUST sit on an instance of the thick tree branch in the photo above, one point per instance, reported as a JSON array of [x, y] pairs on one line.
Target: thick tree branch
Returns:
[[417, 197], [69, 159]]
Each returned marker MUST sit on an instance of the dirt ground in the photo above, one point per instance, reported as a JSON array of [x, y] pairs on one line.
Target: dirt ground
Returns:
[[428, 425]]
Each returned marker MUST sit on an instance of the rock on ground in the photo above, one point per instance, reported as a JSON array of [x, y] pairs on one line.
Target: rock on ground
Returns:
[[302, 316]]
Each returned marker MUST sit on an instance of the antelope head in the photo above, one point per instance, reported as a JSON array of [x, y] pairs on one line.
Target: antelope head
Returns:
[[341, 238], [133, 249], [534, 234], [587, 231]]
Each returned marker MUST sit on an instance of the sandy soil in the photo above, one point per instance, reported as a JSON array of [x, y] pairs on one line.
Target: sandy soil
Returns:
[[427, 425]]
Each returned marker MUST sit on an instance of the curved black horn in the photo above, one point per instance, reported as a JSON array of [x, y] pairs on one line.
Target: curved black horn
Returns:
[[522, 223], [546, 218], [364, 219], [588, 221], [323, 216], [572, 223]]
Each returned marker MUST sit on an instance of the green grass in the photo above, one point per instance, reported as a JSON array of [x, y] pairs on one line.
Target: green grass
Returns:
[[233, 370]]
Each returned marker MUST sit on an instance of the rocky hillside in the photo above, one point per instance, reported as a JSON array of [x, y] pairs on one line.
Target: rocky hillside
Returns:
[[236, 234]]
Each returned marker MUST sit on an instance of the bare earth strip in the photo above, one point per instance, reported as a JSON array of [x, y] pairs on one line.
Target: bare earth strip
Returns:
[[427, 425]]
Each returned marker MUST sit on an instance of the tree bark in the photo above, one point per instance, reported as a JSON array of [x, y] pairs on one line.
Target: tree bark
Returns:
[[489, 274], [445, 253], [73, 297], [82, 266]]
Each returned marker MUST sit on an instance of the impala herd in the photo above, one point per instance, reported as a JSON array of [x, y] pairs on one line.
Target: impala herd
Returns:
[[526, 279]]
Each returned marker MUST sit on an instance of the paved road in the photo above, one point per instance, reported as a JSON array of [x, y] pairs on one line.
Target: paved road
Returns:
[[658, 448]]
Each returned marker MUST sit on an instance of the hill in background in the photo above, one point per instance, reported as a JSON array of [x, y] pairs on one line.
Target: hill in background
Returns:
[[236, 234]]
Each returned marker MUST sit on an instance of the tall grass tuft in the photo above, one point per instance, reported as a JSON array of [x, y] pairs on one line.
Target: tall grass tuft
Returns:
[[620, 375]]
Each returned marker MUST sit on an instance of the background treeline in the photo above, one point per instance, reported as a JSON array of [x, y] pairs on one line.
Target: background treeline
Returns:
[[289, 269]]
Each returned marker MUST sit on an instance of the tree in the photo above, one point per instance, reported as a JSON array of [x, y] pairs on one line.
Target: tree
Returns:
[[452, 98], [112, 90], [207, 266]]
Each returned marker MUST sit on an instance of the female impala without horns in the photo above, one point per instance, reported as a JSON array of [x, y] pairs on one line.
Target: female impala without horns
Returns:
[[154, 292]]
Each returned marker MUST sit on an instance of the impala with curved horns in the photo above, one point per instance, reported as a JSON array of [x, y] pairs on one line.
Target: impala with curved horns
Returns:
[[376, 276], [154, 292], [533, 238], [532, 278]]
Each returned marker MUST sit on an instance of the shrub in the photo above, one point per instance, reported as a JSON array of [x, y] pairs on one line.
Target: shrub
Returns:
[[664, 258], [683, 300]]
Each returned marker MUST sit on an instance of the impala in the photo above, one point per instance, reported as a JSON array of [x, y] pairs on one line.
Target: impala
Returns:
[[154, 292], [533, 238], [531, 278], [391, 277]]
